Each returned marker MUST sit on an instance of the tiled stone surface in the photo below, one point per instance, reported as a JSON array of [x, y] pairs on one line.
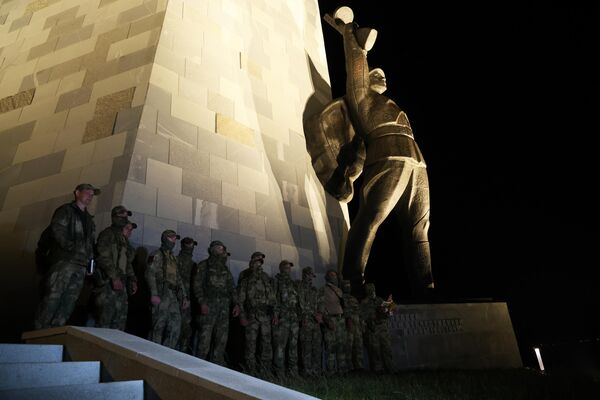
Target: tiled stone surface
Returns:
[[187, 113]]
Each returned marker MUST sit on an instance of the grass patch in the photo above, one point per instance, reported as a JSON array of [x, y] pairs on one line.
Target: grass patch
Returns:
[[509, 384]]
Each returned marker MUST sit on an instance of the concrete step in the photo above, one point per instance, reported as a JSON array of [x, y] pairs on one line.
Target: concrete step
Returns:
[[31, 375], [29, 353], [127, 390]]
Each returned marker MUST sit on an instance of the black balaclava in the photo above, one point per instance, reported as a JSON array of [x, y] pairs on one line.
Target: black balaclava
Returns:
[[165, 243]]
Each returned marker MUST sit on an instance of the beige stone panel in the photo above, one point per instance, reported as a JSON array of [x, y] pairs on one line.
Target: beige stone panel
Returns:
[[34, 38], [75, 37], [188, 41], [67, 26], [170, 60], [174, 206], [23, 194], [127, 79], [220, 104], [78, 156], [8, 38], [258, 15], [150, 22], [38, 109], [197, 12], [34, 148], [252, 179], [250, 66], [252, 225], [269, 128], [233, 130], [70, 82], [61, 17], [239, 198], [188, 158], [245, 155], [10, 118], [138, 12], [12, 76], [193, 91], [67, 53], [139, 97], [8, 219], [232, 90], [223, 170], [302, 216], [117, 7], [74, 98], [164, 176], [164, 78], [80, 114], [140, 198], [216, 216], [69, 137], [133, 44], [212, 143], [98, 173], [51, 124], [59, 184], [203, 74], [109, 147], [192, 113]]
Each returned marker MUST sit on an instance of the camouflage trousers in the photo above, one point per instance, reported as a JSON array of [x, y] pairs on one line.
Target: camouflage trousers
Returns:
[[166, 320], [62, 289], [213, 332], [379, 347], [258, 337], [311, 351], [111, 307], [335, 345], [354, 345], [185, 335], [285, 340]]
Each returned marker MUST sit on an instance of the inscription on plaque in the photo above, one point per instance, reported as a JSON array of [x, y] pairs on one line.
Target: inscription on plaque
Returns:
[[408, 324]]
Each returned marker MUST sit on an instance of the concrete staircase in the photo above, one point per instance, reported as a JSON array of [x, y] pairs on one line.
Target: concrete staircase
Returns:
[[37, 371]]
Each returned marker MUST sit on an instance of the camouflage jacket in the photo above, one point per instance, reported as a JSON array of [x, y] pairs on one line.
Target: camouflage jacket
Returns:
[[114, 255], [309, 300], [372, 311], [286, 297], [162, 274], [331, 297], [256, 294], [351, 308], [73, 234], [185, 266], [212, 281]]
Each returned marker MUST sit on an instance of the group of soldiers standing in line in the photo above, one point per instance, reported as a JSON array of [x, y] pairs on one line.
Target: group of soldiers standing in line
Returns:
[[291, 328]]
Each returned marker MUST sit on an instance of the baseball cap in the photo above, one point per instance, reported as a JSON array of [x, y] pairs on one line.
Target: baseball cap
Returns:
[[286, 262], [120, 209], [308, 271], [87, 186]]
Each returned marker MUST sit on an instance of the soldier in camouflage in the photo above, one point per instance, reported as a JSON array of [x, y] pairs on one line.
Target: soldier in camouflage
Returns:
[[114, 278], [257, 301], [167, 292], [214, 294], [73, 233], [285, 323], [257, 255], [311, 318], [377, 334], [334, 331], [354, 343], [185, 265]]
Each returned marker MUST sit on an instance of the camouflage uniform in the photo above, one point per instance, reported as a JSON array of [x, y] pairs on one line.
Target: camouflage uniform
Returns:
[[257, 255], [185, 265], [285, 327], [257, 301], [114, 257], [164, 281], [213, 291], [73, 234], [377, 334], [334, 330], [311, 339], [354, 343]]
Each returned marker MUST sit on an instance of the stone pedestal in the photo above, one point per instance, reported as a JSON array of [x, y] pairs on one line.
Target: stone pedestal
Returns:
[[461, 335]]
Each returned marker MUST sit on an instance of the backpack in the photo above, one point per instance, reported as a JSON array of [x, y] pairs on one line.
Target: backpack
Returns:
[[42, 251]]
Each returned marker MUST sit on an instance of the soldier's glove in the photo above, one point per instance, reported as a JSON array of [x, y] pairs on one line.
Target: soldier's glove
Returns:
[[243, 321], [203, 309], [236, 311], [185, 304], [319, 318], [155, 300], [274, 320], [349, 324], [116, 284]]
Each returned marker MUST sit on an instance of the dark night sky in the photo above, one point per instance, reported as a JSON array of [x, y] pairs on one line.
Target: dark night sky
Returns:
[[501, 99]]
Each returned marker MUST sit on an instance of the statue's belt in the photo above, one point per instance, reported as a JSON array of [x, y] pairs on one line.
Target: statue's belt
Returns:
[[389, 130]]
